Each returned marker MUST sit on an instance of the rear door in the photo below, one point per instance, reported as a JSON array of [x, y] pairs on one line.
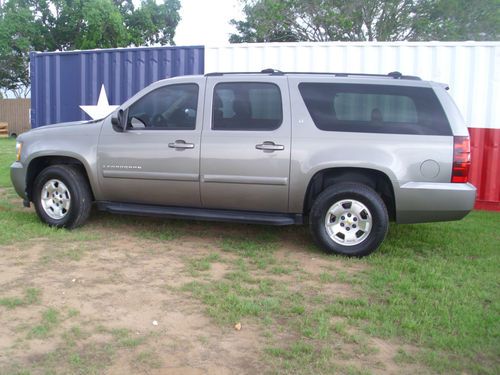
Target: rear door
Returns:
[[245, 156]]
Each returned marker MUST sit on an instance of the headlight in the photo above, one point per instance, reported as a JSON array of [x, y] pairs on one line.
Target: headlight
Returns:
[[19, 147]]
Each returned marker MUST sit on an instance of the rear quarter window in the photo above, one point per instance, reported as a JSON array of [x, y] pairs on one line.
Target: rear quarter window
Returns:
[[374, 108]]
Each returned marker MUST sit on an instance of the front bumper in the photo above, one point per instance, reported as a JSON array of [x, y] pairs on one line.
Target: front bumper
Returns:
[[18, 178], [419, 202]]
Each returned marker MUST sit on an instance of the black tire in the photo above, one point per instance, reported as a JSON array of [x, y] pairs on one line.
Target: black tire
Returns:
[[349, 191], [80, 195]]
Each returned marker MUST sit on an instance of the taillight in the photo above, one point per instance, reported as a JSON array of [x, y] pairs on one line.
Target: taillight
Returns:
[[461, 159]]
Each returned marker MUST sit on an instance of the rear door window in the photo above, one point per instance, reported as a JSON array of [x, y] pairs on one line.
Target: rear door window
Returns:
[[247, 106], [374, 108]]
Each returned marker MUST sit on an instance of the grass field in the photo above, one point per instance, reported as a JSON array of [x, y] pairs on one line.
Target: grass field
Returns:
[[147, 296]]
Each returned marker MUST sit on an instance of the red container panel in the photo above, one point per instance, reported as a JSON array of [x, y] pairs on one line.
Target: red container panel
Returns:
[[485, 168]]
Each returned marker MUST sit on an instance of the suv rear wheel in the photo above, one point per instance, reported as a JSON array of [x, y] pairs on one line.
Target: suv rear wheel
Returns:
[[349, 219], [62, 197]]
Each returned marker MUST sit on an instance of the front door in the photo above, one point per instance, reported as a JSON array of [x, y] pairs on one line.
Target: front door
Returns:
[[156, 160], [245, 156]]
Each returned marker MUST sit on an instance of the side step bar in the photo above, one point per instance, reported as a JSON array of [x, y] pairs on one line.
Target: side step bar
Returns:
[[250, 217]]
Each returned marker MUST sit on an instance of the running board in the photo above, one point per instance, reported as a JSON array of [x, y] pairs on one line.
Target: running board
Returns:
[[249, 217]]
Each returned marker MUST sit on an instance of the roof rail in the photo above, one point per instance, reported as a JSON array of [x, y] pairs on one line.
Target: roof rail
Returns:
[[270, 71], [276, 72]]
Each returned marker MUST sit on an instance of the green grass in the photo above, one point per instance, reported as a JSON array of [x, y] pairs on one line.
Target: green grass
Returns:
[[7, 157], [147, 360], [84, 359], [239, 295], [50, 320], [258, 249], [436, 286], [76, 353], [197, 265], [124, 338], [160, 232], [302, 357], [31, 296]]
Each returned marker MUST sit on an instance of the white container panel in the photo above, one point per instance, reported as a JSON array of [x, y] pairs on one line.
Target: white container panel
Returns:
[[472, 69]]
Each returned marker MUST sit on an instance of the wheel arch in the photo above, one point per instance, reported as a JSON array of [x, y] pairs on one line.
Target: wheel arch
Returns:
[[376, 179], [40, 162]]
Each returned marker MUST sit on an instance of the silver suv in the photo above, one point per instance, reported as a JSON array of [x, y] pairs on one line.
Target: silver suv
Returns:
[[344, 153]]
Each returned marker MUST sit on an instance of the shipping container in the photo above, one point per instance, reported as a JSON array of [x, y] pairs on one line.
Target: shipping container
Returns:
[[63, 81], [485, 171], [471, 69]]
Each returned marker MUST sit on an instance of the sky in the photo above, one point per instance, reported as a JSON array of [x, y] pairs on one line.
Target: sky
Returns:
[[206, 21]]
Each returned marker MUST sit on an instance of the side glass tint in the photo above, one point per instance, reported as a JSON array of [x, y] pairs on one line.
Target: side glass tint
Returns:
[[247, 106], [172, 107], [374, 108]]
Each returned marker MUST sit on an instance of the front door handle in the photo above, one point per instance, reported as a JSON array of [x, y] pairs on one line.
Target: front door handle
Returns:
[[269, 146], [180, 144]]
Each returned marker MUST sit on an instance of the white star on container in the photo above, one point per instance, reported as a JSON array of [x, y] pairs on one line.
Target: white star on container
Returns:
[[102, 109]]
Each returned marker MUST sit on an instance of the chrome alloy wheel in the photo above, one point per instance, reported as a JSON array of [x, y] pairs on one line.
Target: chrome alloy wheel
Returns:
[[55, 199], [348, 222]]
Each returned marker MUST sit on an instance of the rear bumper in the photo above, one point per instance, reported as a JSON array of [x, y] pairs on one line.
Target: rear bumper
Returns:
[[419, 202], [18, 178]]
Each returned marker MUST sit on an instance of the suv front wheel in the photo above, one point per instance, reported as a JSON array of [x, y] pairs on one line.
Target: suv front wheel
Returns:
[[349, 219], [62, 197]]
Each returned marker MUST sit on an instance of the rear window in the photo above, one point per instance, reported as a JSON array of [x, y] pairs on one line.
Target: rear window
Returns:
[[374, 108]]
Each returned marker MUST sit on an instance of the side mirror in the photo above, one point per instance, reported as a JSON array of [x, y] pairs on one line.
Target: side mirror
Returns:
[[119, 121]]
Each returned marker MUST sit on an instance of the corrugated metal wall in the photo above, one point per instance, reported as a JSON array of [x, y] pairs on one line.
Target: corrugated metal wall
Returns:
[[472, 69], [15, 112], [485, 171], [62, 81]]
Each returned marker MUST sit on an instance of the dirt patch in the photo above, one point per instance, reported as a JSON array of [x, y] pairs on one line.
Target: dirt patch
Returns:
[[123, 284], [119, 307], [218, 271], [314, 262], [335, 290]]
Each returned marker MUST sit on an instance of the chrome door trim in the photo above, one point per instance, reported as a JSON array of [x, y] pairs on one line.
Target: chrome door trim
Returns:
[[256, 180], [151, 175]]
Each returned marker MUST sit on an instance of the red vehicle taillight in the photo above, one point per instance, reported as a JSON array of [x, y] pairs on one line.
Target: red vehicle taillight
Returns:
[[461, 159]]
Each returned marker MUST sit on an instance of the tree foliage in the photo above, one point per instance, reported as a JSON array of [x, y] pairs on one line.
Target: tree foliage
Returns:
[[367, 20], [49, 25]]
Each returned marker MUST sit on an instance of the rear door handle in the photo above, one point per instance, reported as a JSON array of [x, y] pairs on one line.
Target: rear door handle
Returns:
[[269, 146], [180, 144]]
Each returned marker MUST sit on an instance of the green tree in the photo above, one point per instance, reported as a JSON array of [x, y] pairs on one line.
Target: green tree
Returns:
[[367, 20], [153, 23], [104, 27], [48, 25], [17, 33], [460, 20]]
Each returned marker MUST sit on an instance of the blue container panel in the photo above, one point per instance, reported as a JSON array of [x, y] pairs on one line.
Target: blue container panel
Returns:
[[62, 81]]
